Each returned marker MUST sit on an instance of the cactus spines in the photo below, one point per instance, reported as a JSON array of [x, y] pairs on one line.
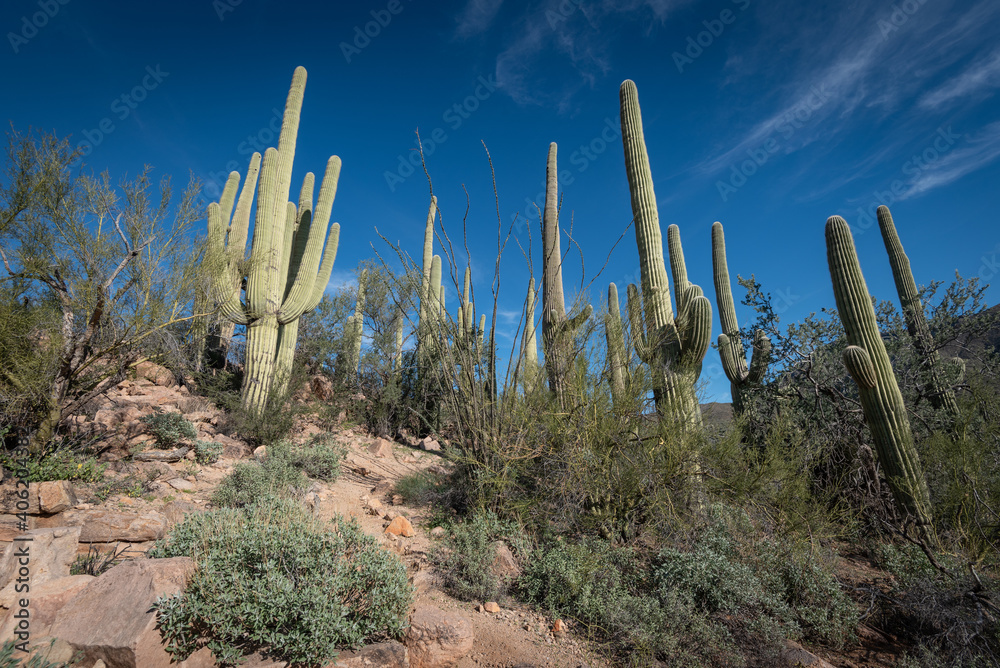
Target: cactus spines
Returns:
[[285, 277], [734, 363], [673, 347], [868, 363], [941, 396], [615, 335], [557, 327]]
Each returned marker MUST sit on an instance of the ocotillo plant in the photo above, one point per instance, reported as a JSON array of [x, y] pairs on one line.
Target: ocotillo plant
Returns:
[[940, 394], [673, 348], [734, 362], [557, 328], [868, 363], [615, 335], [275, 298]]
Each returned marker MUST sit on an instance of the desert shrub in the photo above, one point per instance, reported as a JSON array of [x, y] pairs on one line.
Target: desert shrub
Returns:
[[270, 576], [97, 562], [320, 458], [134, 484], [276, 475], [207, 452], [468, 552], [56, 463], [169, 429], [419, 488]]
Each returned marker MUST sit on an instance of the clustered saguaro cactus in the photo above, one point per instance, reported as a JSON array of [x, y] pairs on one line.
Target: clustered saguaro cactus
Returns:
[[285, 276], [468, 338], [734, 362], [557, 327], [941, 395], [868, 363], [672, 347], [614, 332], [428, 294]]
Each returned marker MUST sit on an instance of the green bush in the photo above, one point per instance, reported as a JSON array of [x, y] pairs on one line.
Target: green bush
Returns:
[[269, 576], [8, 660], [250, 481], [468, 552], [169, 429], [320, 458], [419, 488], [58, 464], [207, 452]]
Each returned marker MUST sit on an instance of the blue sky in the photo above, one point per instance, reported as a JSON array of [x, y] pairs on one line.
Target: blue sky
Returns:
[[766, 116]]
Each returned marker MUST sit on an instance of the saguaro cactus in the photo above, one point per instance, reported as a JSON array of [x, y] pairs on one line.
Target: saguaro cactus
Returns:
[[529, 342], [424, 329], [356, 325], [557, 327], [941, 396], [672, 347], [614, 332], [867, 362], [734, 362], [282, 279]]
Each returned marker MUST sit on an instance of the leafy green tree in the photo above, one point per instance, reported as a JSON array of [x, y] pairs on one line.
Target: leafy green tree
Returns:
[[114, 264]]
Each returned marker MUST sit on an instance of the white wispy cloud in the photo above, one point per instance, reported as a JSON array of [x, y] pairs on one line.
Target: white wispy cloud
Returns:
[[477, 17], [980, 77], [979, 151]]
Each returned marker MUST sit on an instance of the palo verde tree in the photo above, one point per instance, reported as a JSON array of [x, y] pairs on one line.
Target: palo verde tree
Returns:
[[113, 262]]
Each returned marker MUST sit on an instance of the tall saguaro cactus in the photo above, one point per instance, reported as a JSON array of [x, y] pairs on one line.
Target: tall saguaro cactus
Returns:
[[672, 347], [557, 327], [868, 363], [357, 324], [427, 296], [614, 332], [941, 396], [529, 341], [285, 277], [734, 362]]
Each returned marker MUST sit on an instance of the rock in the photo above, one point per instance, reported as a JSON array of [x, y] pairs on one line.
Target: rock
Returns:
[[175, 511], [162, 455], [796, 655], [437, 638], [321, 387], [182, 485], [381, 448], [400, 527], [505, 565], [45, 601], [260, 452], [439, 532], [155, 373], [430, 445], [15, 500], [383, 655], [491, 606], [55, 496], [231, 448], [55, 651], [112, 619], [397, 499], [107, 526], [371, 505], [50, 553], [559, 628]]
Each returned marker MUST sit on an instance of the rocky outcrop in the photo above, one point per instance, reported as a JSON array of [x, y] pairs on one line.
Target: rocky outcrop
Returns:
[[437, 638], [100, 525]]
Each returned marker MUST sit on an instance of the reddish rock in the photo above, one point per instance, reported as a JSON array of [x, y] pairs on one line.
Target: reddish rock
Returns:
[[400, 527], [505, 565], [11, 496], [429, 444], [321, 387], [107, 526], [45, 601], [155, 373], [10, 526], [50, 554], [55, 496], [383, 655], [436, 638], [381, 448], [491, 606], [112, 619]]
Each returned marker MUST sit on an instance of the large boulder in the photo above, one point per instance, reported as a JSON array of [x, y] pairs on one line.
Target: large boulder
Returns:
[[155, 374], [100, 525], [49, 553], [44, 603], [437, 638], [112, 619]]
